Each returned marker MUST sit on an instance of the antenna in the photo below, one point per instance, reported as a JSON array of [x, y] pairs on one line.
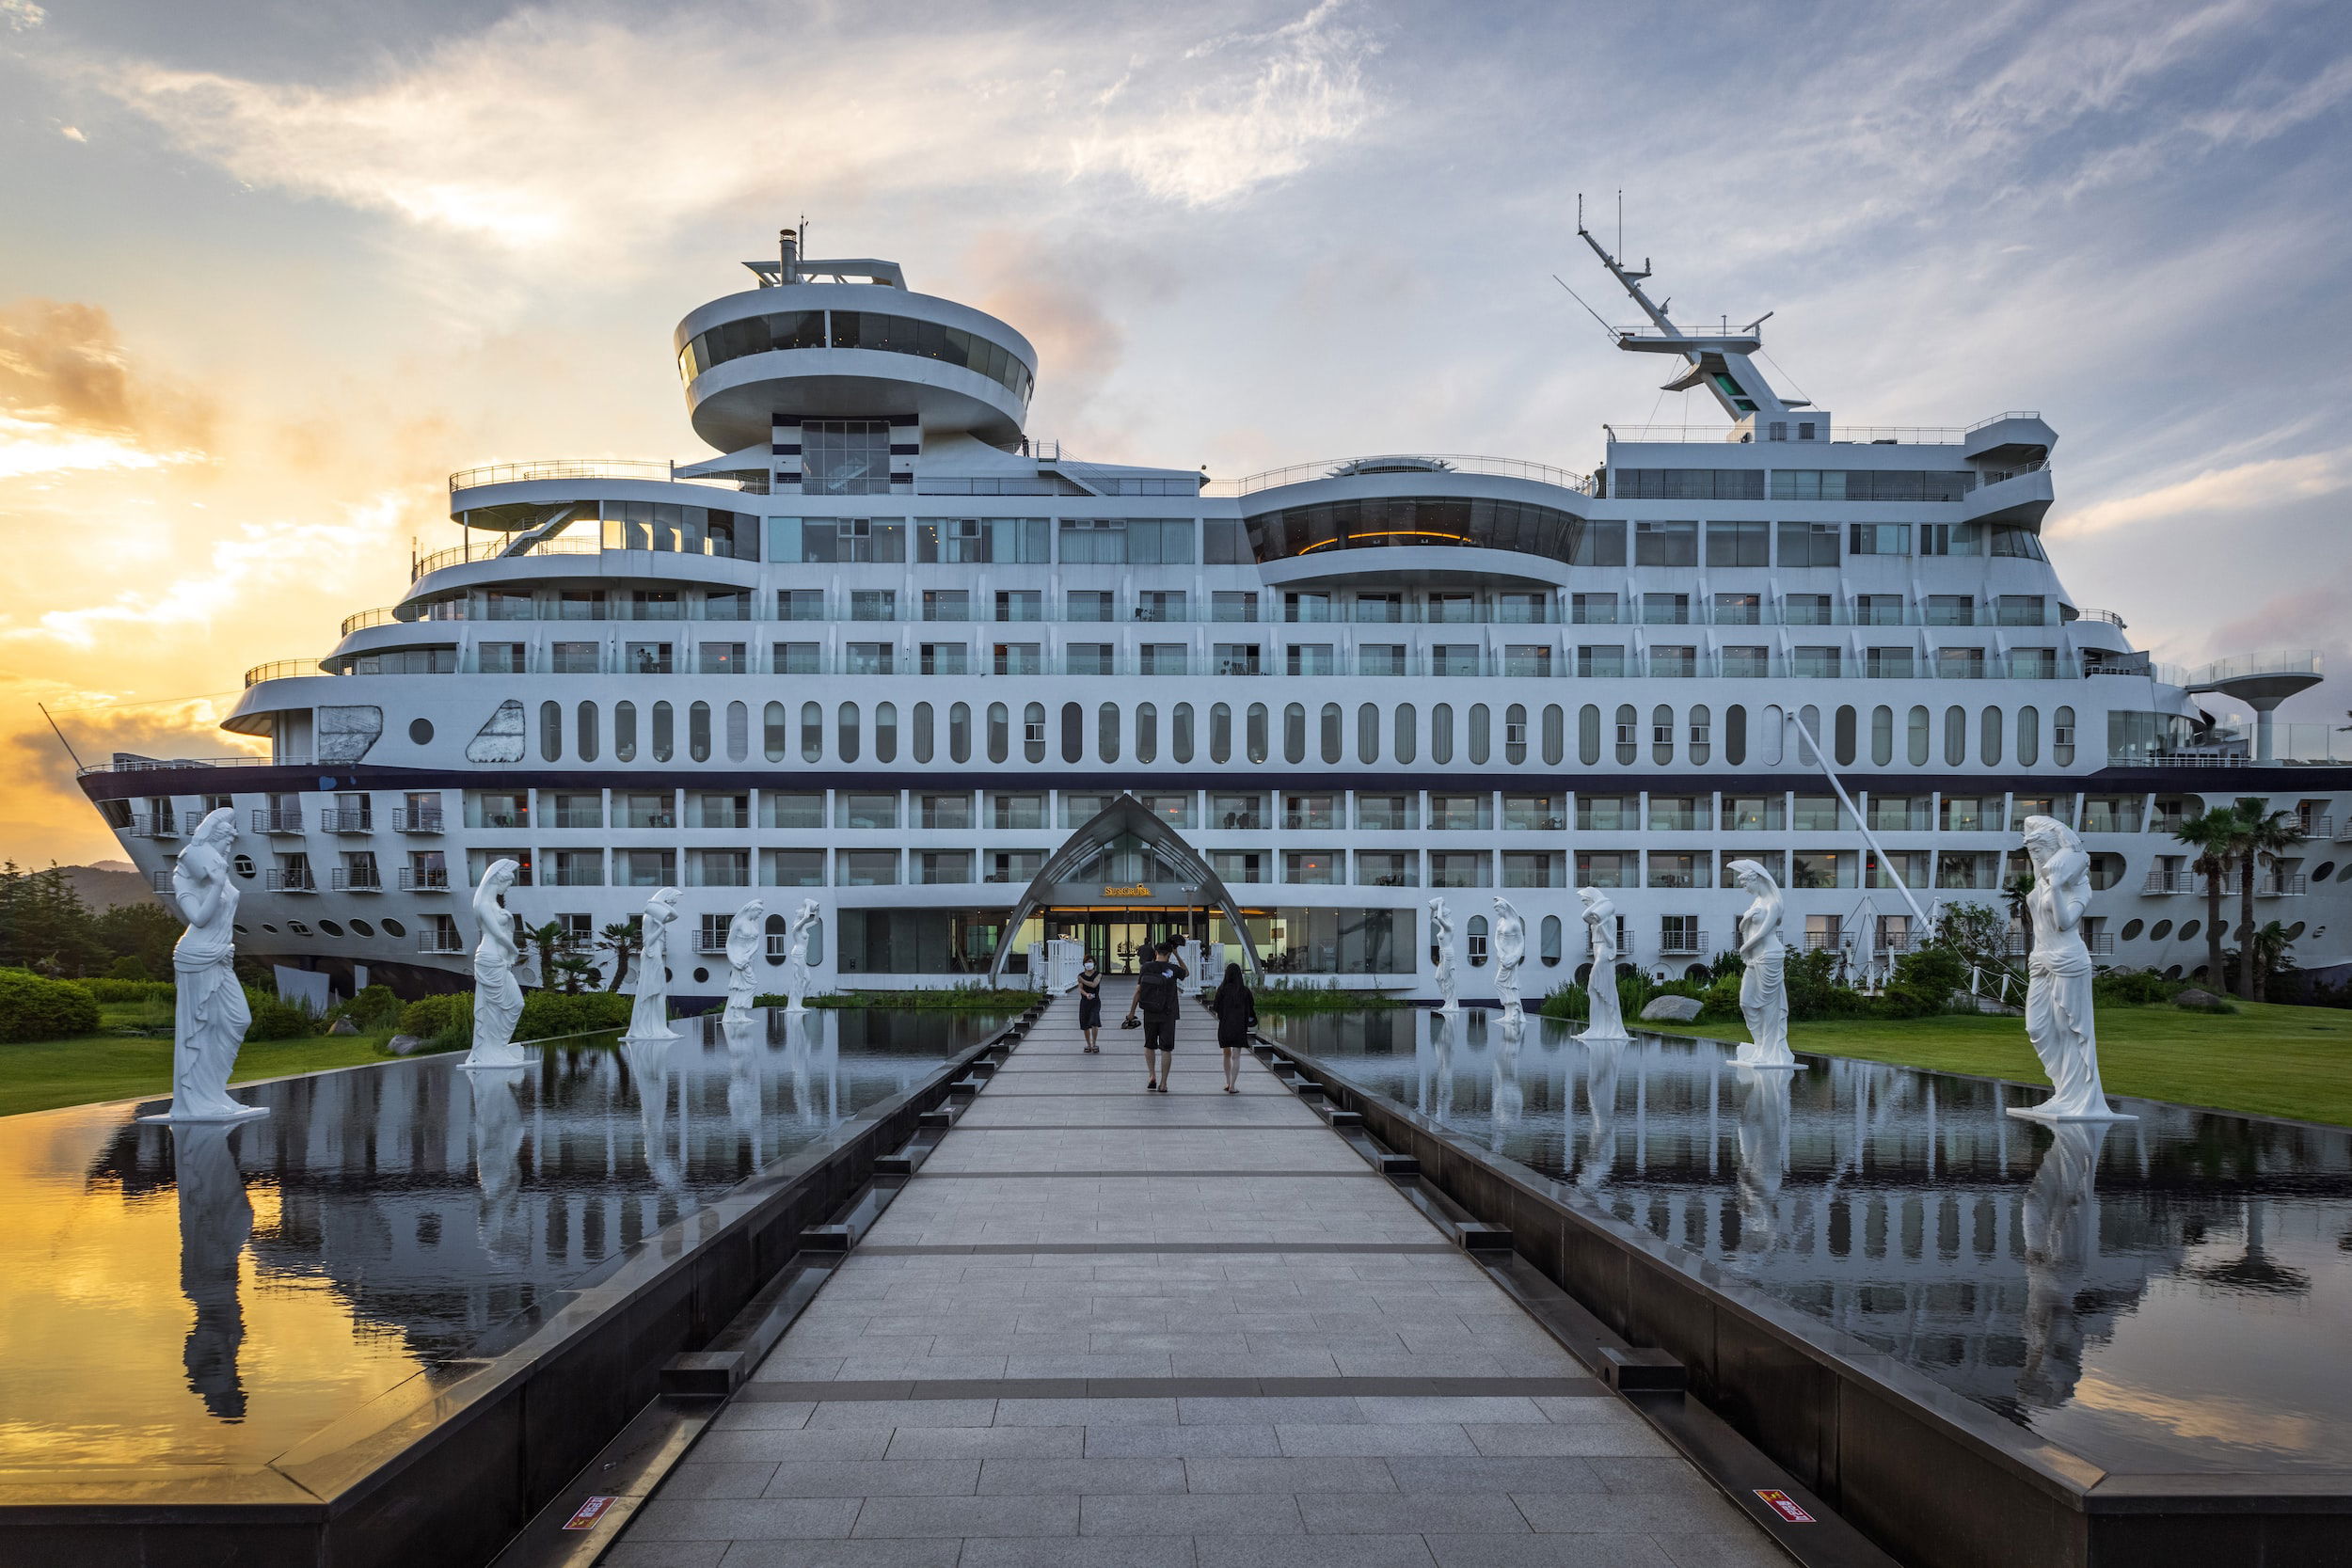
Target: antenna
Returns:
[[1621, 223], [1588, 309], [61, 739]]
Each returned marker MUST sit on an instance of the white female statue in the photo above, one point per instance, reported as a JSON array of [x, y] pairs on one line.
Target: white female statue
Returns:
[[796, 976], [649, 1020], [1605, 1019], [1763, 984], [498, 1000], [2058, 996], [1510, 952], [209, 1015], [747, 938], [1441, 937]]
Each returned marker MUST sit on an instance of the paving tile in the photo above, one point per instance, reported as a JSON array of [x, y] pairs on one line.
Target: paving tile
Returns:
[[1086, 1412], [1667, 1472], [1747, 1548], [763, 1414], [664, 1554], [904, 1413], [1083, 1551], [1037, 1477], [734, 1518], [1401, 1514], [881, 1477], [1550, 1551], [1650, 1512], [1181, 1442], [1456, 1409], [997, 1441], [1423, 1437], [1519, 1439], [750, 1447], [1189, 1516], [1445, 1473], [967, 1516], [1322, 1411], [691, 1480], [1353, 1551], [840, 1554], [1288, 1475]]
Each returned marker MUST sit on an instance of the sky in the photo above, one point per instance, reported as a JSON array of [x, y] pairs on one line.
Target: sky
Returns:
[[269, 271]]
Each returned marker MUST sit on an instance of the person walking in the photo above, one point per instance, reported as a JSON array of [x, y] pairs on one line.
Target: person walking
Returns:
[[1090, 1006], [1236, 1015], [1157, 1000]]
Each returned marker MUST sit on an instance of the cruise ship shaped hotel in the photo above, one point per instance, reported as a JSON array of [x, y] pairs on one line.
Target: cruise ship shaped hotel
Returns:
[[969, 693]]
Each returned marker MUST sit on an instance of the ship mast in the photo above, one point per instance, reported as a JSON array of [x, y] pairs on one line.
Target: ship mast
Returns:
[[1719, 360]]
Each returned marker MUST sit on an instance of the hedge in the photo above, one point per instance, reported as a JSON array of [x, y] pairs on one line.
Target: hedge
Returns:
[[35, 1009]]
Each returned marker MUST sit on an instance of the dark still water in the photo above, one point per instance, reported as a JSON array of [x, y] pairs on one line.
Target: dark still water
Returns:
[[176, 1298], [2171, 1294]]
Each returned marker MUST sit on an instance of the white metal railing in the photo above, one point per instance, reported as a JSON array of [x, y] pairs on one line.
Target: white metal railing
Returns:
[[413, 881], [360, 879], [286, 821], [440, 942], [2276, 661], [1392, 465], [660, 471]]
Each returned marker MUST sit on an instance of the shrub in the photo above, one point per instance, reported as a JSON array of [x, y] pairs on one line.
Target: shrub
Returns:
[[2138, 987], [128, 968], [973, 998], [35, 1009], [1924, 981], [111, 992], [445, 1021], [274, 1019], [549, 1013], [1814, 991], [375, 1007]]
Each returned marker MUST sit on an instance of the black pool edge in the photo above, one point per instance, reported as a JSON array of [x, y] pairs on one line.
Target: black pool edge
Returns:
[[450, 1477], [1930, 1476]]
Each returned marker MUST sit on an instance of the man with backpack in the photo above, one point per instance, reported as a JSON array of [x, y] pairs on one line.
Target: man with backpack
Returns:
[[1158, 1000]]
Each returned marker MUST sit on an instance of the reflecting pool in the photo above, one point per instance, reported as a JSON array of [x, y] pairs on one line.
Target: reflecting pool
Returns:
[[2171, 1294], [193, 1297]]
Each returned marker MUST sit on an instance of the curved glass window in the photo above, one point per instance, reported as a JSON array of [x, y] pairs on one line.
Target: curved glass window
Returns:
[[1147, 732], [1368, 732], [1221, 734], [738, 731], [1881, 736], [664, 737], [1955, 737], [1106, 733], [773, 734], [1515, 735], [999, 732], [920, 743], [885, 732], [1555, 735], [1033, 732], [1736, 734], [1628, 735], [1481, 733], [1588, 735], [1989, 737], [811, 733], [1547, 940], [1476, 931], [1476, 522], [551, 732], [1180, 733], [1702, 736], [960, 733], [1073, 732], [698, 731], [1844, 739], [625, 732], [1661, 735], [1916, 739], [1330, 727], [1442, 732], [1294, 733], [1254, 739], [846, 729], [867, 329], [2029, 736], [2062, 737], [589, 741], [1407, 741]]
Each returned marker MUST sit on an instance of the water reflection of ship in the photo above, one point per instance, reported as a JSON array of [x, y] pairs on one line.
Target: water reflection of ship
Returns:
[[216, 1222]]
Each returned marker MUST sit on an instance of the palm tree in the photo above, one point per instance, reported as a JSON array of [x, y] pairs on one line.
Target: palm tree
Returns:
[[2270, 948], [621, 938], [2213, 835], [2013, 893], [549, 940], [2262, 836]]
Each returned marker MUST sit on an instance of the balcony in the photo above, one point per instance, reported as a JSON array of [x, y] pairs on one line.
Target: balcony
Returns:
[[413, 881], [1680, 944], [289, 821], [440, 942], [2161, 882], [348, 879], [421, 821], [281, 668], [656, 470], [293, 879], [1401, 464], [347, 820], [2281, 887], [160, 881], [154, 824], [2318, 827]]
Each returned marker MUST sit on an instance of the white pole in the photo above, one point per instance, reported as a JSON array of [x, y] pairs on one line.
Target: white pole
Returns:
[[1846, 801]]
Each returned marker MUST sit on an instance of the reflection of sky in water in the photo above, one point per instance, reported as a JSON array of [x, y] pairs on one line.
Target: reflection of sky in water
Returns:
[[2173, 1294], [175, 1298]]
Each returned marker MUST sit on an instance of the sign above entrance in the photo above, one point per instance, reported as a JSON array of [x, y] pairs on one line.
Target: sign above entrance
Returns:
[[1082, 895], [1137, 891]]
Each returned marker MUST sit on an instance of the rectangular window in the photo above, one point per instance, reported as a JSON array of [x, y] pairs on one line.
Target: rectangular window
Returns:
[[2033, 664], [1020, 604], [647, 658], [1687, 484], [799, 604], [1159, 541], [720, 658], [1160, 605], [641, 809], [1018, 659], [1746, 663], [1607, 813], [858, 809], [1226, 543], [1808, 544], [1870, 485], [1951, 538], [796, 808], [1888, 663], [1967, 870], [867, 658], [1087, 658], [720, 867], [575, 659], [1751, 813], [1738, 610], [1877, 609], [2111, 813], [644, 868], [1531, 868], [1017, 866], [1665, 544], [943, 811], [1089, 605], [1309, 658], [1388, 812], [1380, 658], [1596, 661], [1678, 813], [1738, 545], [1018, 811], [1678, 663], [797, 659], [713, 809], [1238, 813], [933, 867], [845, 457], [866, 867], [1314, 868], [946, 658], [1461, 813], [2020, 609], [1821, 869], [1592, 609], [1819, 814], [1816, 663], [1679, 933], [874, 604], [1675, 869], [1315, 812], [1526, 658], [1093, 540], [1239, 866], [1769, 859], [1598, 543], [1387, 868], [1164, 659], [1607, 868], [1461, 868], [1079, 807], [1227, 605], [1878, 539], [947, 604], [1176, 810], [1959, 664], [1899, 814], [1666, 610], [1236, 658]]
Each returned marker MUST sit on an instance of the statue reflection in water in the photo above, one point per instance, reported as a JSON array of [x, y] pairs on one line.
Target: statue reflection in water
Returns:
[[497, 1145], [2061, 1242], [649, 1070], [1602, 1058], [1446, 1033], [743, 1101], [1763, 1155], [216, 1222], [1510, 1097]]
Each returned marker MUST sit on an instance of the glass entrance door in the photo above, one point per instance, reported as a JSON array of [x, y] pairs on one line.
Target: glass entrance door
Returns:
[[1117, 939]]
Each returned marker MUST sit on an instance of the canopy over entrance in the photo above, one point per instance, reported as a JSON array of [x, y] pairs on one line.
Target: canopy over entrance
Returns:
[[1125, 856]]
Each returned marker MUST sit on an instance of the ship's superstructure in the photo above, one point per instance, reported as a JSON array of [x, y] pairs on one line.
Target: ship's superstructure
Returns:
[[968, 693]]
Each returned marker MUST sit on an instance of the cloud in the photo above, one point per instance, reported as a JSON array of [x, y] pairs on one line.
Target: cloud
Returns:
[[2246, 488], [70, 397], [22, 15], [569, 143]]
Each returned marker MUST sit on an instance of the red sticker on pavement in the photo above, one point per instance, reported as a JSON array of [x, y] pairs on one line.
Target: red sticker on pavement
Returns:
[[1784, 1505], [590, 1511]]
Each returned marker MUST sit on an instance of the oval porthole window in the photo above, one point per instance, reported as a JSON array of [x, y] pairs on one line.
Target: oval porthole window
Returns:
[[420, 731], [242, 929], [2324, 870], [2160, 930], [297, 927], [394, 928], [2189, 930], [270, 929], [2130, 930], [331, 928], [243, 864], [2295, 932], [2172, 972], [361, 929], [700, 974]]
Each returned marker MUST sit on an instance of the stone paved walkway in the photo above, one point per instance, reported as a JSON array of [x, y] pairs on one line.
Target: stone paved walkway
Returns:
[[1032, 1360]]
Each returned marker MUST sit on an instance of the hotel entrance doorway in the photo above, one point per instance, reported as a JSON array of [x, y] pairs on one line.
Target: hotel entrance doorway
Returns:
[[1117, 939]]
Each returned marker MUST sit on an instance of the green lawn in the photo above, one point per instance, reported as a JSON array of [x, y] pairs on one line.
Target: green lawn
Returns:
[[2268, 1059], [50, 1073]]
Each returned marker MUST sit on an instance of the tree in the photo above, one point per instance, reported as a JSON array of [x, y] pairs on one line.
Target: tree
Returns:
[[2263, 835], [2213, 835], [2265, 955], [549, 941], [45, 927], [2014, 892], [1978, 933], [144, 931], [621, 938]]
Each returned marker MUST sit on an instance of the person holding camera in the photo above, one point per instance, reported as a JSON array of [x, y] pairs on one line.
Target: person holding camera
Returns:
[[1157, 999]]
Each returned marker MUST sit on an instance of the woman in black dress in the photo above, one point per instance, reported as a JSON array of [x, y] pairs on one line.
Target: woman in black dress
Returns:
[[1236, 1015], [1090, 1005]]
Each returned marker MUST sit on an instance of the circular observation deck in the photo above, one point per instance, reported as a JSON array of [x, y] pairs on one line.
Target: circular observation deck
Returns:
[[1459, 519], [850, 351]]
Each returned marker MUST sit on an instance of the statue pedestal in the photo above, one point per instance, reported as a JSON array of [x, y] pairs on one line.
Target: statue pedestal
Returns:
[[218, 1118], [2042, 1114]]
